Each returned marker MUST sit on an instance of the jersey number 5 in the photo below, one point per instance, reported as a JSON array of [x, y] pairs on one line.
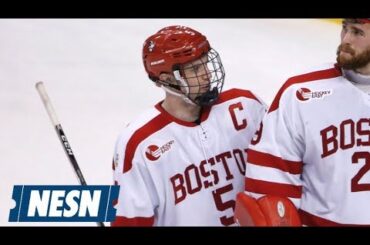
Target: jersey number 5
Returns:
[[222, 205]]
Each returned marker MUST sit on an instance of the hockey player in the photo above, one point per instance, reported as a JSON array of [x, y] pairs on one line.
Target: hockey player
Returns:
[[313, 146], [183, 161]]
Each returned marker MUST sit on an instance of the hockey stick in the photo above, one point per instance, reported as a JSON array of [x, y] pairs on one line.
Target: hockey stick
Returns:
[[62, 137]]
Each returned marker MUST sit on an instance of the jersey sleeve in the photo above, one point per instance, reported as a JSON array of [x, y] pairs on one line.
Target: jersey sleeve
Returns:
[[274, 163], [137, 200]]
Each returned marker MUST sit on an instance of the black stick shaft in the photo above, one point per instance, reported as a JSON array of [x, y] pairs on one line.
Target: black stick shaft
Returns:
[[68, 150]]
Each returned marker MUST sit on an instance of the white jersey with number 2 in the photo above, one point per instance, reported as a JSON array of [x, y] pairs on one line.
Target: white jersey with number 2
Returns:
[[314, 147]]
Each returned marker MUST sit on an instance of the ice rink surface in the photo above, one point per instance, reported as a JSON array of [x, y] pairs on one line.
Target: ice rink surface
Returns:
[[93, 72]]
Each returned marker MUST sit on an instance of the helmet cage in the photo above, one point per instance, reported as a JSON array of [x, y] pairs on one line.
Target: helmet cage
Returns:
[[208, 67]]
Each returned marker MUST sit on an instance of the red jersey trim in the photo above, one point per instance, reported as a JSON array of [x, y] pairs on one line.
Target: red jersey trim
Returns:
[[313, 220], [171, 118], [136, 221], [277, 189], [142, 133], [224, 96], [235, 93], [268, 160], [312, 76]]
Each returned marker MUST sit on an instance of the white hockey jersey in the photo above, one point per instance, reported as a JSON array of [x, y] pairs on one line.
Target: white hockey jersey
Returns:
[[161, 164], [314, 147]]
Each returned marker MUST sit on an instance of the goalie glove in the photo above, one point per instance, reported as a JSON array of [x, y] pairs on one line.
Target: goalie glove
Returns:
[[265, 211]]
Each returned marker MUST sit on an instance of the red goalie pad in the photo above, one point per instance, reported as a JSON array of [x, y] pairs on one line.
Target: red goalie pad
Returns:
[[266, 211]]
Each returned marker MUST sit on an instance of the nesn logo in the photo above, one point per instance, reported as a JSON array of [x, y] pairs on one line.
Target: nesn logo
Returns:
[[61, 203]]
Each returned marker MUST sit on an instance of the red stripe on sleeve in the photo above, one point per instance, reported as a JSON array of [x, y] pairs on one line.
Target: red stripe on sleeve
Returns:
[[137, 221], [268, 160], [277, 189]]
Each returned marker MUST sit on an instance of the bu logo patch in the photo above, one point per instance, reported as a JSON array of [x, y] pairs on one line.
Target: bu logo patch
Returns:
[[305, 94], [63, 203], [154, 152]]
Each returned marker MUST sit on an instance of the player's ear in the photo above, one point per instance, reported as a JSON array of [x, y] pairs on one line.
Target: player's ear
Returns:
[[165, 78]]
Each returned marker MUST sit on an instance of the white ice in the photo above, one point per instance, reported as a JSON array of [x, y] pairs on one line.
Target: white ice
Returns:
[[93, 72]]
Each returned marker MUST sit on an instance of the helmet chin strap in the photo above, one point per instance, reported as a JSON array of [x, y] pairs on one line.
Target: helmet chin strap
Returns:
[[175, 89], [182, 81], [181, 95], [185, 85]]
